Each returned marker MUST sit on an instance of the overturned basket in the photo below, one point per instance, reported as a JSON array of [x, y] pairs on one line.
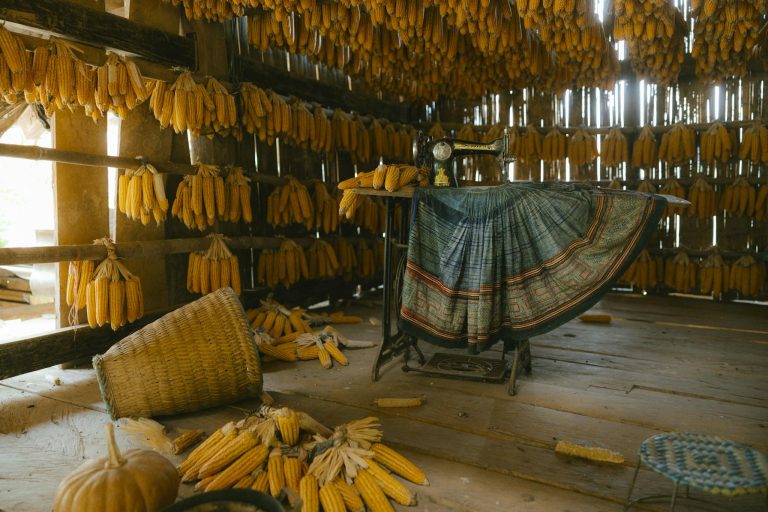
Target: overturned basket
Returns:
[[198, 356]]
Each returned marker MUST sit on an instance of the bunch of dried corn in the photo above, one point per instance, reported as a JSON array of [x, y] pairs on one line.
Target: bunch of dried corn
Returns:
[[259, 452], [553, 146], [717, 144], [646, 186], [110, 292], [284, 266], [141, 194], [740, 198], [290, 203], [347, 257], [747, 276], [369, 214], [615, 150], [326, 209], [654, 31], [642, 272], [644, 149], [678, 145], [222, 118], [703, 199], [724, 34], [322, 345], [672, 187], [351, 136], [233, 200], [279, 322], [680, 272], [714, 274], [761, 204], [216, 268], [118, 85], [582, 148], [526, 145], [187, 105], [322, 259], [200, 197], [754, 144], [354, 469]]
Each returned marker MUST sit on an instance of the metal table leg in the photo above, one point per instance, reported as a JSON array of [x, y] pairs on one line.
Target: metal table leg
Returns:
[[629, 502]]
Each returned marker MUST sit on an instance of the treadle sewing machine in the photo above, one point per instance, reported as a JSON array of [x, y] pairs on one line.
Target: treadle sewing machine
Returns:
[[438, 155]]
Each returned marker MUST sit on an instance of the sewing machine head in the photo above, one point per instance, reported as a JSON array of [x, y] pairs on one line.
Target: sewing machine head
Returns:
[[439, 154]]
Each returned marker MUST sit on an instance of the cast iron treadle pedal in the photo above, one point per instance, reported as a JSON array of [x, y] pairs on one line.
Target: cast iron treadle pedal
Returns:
[[463, 367]]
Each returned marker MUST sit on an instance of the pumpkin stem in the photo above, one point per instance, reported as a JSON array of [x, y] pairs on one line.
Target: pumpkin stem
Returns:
[[115, 459]]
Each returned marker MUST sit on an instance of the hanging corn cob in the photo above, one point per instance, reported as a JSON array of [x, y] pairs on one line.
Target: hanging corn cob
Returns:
[[740, 198], [680, 272], [112, 293], [284, 266], [703, 199], [213, 269], [646, 186], [761, 204], [642, 273], [141, 194], [233, 197], [747, 276], [712, 274], [716, 144], [672, 187], [553, 146], [582, 148], [290, 203], [79, 275], [326, 209], [200, 198], [322, 260], [644, 151], [222, 117], [615, 148], [754, 145], [678, 145]]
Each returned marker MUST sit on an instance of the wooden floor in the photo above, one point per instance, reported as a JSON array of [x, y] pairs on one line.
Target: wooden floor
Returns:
[[664, 364]]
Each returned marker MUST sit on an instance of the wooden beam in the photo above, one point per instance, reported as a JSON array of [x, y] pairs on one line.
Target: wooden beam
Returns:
[[100, 28], [286, 83], [66, 344], [51, 254]]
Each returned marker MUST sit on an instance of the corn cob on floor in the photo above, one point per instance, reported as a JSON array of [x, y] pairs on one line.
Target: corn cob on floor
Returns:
[[661, 365]]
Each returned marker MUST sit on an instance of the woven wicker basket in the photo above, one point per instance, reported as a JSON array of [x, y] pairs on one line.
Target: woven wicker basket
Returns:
[[198, 356]]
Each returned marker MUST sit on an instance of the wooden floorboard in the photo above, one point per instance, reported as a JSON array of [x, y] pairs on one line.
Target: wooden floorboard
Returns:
[[663, 364]]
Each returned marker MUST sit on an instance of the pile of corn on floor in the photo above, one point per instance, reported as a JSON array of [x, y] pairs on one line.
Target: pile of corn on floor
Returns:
[[663, 364]]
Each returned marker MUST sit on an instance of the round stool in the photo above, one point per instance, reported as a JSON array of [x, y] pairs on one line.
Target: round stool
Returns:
[[708, 463]]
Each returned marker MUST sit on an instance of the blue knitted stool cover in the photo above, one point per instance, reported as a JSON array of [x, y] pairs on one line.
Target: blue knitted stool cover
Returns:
[[707, 463]]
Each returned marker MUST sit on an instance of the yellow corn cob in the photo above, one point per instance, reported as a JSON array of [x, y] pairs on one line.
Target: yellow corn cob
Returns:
[[308, 353], [587, 452], [407, 174], [349, 494], [261, 482], [245, 202], [225, 273], [398, 464], [205, 275], [277, 328], [398, 402], [292, 471], [277, 353], [197, 194], [269, 321], [324, 357], [203, 484], [288, 424], [220, 196], [391, 486], [245, 464], [275, 472], [335, 353], [245, 483], [85, 276], [215, 274], [186, 440], [331, 499], [234, 274], [102, 300], [90, 292], [116, 303], [190, 468], [229, 453], [393, 178], [379, 176], [309, 494], [372, 494]]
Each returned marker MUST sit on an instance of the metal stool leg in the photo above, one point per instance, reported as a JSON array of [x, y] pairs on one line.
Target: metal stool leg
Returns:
[[628, 504], [512, 386], [674, 498]]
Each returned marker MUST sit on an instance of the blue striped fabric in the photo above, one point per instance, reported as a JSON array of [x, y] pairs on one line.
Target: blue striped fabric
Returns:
[[518, 259]]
